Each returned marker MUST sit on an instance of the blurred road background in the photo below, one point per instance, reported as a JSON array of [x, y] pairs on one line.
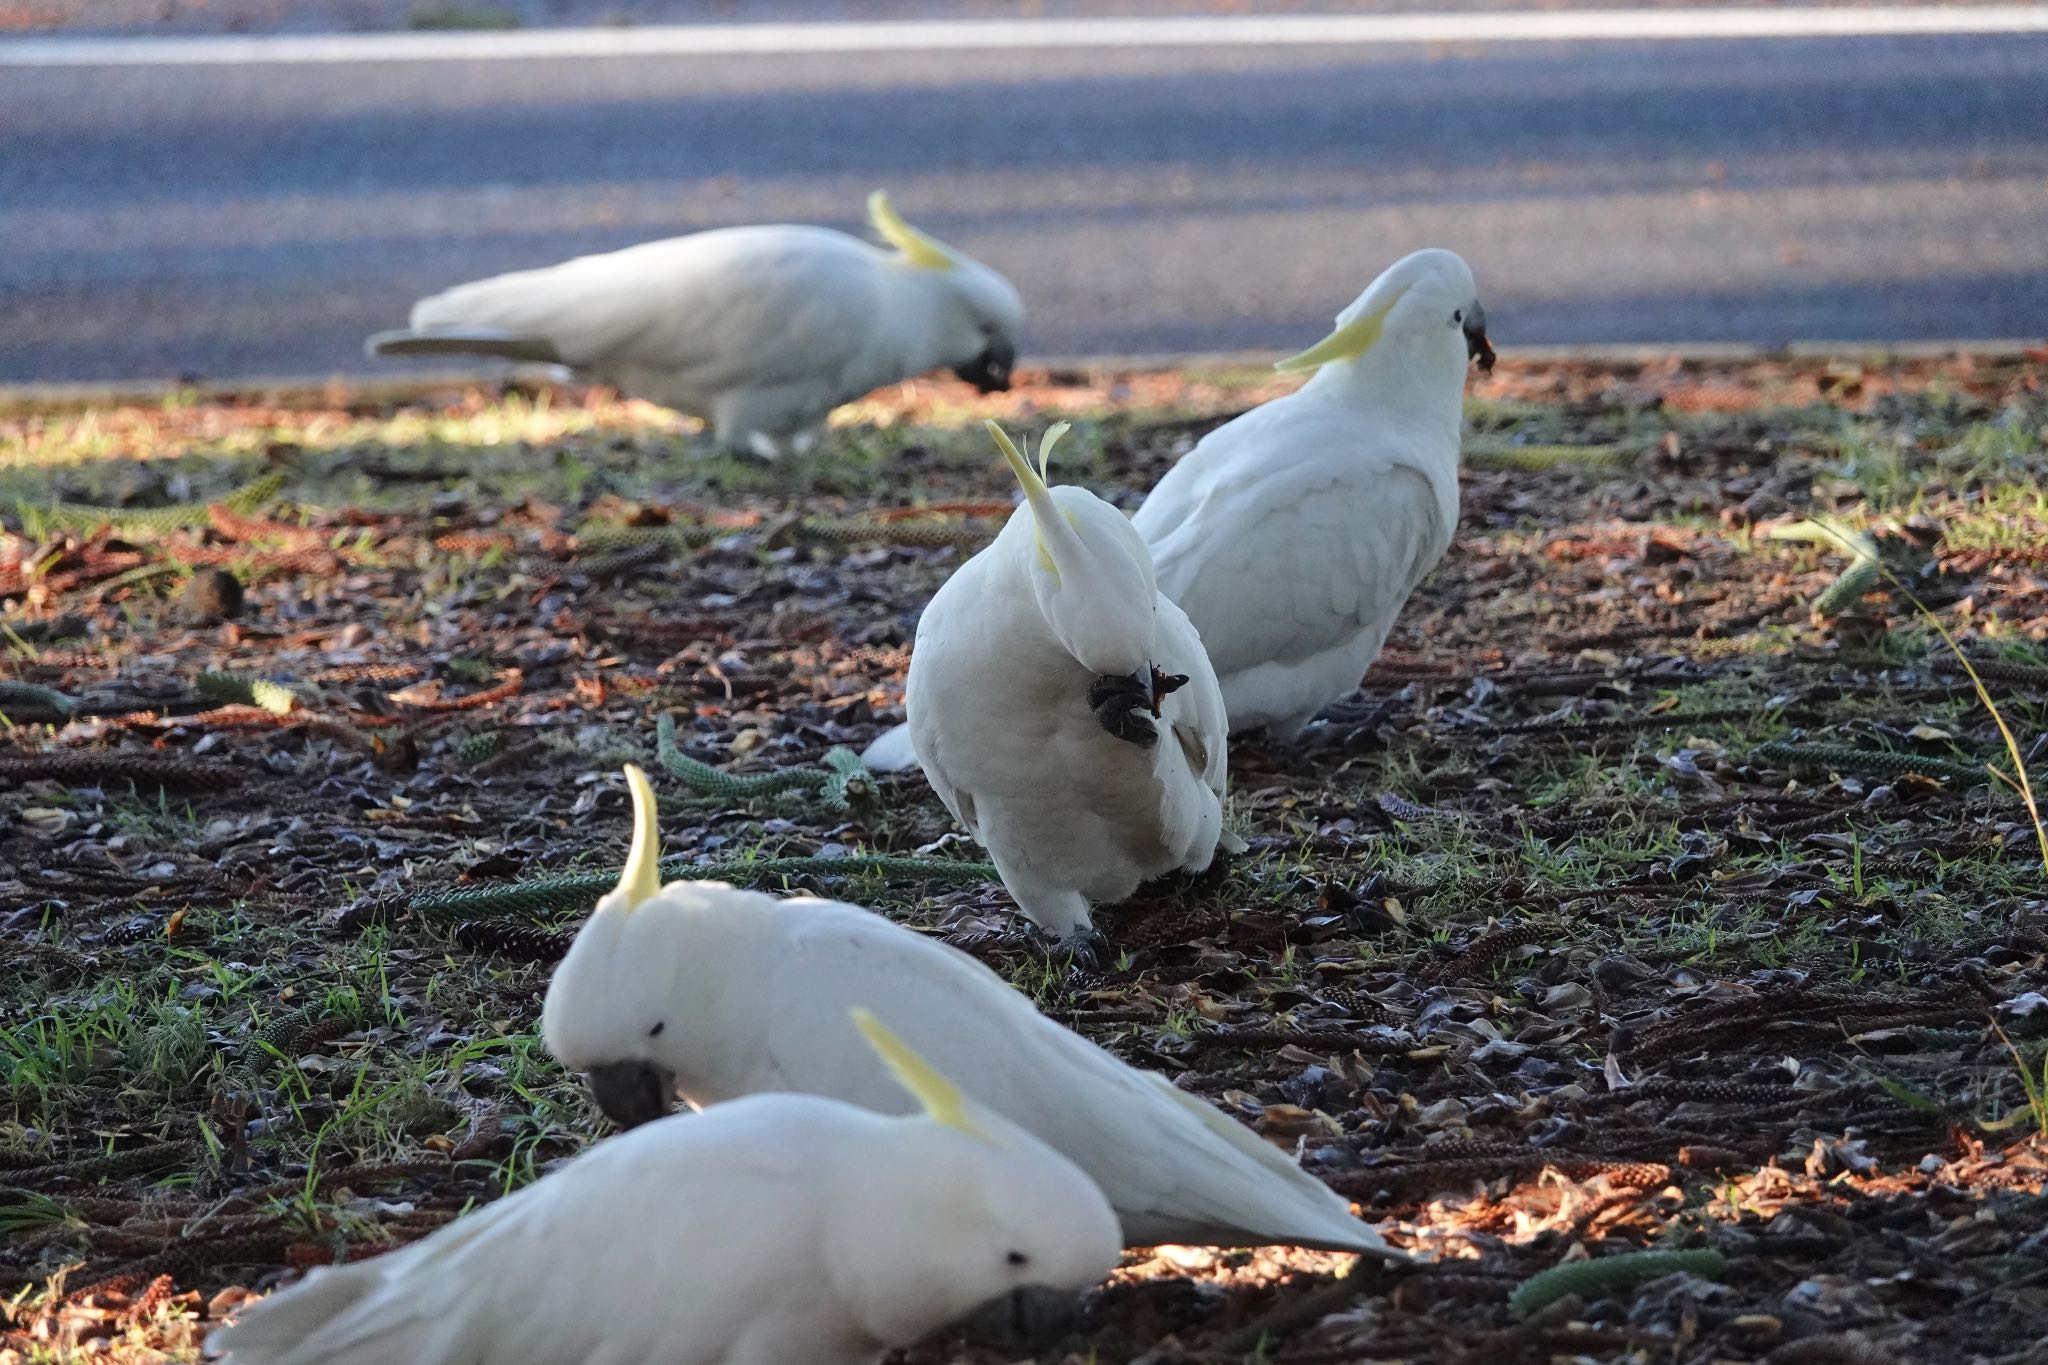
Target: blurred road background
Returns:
[[225, 221]]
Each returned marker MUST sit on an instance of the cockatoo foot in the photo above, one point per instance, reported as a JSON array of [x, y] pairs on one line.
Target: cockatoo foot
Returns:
[[1087, 948], [1119, 704], [1115, 702]]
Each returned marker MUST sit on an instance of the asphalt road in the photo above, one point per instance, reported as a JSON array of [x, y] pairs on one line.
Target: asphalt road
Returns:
[[235, 221]]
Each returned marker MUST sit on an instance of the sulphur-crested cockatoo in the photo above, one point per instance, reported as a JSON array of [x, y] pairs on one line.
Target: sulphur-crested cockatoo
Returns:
[[760, 331], [774, 1230], [1064, 710], [712, 992], [1293, 535]]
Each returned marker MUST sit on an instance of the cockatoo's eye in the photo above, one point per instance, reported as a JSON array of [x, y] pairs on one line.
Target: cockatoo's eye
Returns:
[[1457, 317], [1018, 1258], [655, 1032]]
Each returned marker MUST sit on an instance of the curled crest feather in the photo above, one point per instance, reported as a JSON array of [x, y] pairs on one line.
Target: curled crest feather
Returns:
[[942, 1100], [640, 879], [917, 248]]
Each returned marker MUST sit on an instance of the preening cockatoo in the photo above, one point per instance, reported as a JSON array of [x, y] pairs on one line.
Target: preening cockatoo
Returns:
[[773, 1230], [1064, 710], [760, 331], [711, 992], [1293, 535]]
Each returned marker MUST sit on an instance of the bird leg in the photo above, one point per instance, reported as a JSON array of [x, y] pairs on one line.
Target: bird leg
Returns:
[[1116, 700]]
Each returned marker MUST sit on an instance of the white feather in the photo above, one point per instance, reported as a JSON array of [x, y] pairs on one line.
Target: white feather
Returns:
[[760, 331], [1000, 720], [892, 751], [1294, 535], [781, 1228], [745, 986]]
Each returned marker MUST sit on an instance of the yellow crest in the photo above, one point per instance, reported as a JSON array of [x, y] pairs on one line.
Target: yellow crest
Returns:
[[640, 880], [1046, 442], [1033, 481], [917, 248], [1353, 339], [941, 1099]]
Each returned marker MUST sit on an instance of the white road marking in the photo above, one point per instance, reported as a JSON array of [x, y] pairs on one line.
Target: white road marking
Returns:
[[967, 35]]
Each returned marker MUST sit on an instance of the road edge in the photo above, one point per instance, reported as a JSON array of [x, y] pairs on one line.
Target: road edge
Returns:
[[285, 390]]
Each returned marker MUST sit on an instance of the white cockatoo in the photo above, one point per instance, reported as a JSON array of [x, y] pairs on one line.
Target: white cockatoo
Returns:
[[1064, 709], [1293, 535], [712, 992], [759, 331], [773, 1230]]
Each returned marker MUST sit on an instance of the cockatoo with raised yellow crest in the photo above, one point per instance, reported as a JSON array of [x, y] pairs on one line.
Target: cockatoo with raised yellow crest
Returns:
[[1064, 709], [713, 992], [1293, 535], [774, 1230], [759, 331]]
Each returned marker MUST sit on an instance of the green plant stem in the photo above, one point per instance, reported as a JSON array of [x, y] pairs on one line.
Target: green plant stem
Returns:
[[1535, 459], [840, 781], [580, 891], [1872, 762], [81, 516], [273, 697], [1862, 573], [1609, 1273], [17, 697]]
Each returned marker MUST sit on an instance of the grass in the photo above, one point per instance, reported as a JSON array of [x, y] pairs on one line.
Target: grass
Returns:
[[1665, 867]]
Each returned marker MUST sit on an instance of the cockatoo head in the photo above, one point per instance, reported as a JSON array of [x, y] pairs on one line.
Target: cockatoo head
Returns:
[[610, 1005], [1424, 306], [1089, 570], [979, 314], [996, 1209]]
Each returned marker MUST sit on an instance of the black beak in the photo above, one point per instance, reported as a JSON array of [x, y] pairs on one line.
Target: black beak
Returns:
[[1476, 345], [989, 372], [632, 1093]]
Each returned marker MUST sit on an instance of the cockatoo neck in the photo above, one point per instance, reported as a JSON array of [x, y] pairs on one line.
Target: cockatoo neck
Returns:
[[869, 1248], [1417, 381], [914, 308]]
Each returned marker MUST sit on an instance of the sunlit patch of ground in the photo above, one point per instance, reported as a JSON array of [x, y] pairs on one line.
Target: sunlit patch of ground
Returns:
[[1659, 912]]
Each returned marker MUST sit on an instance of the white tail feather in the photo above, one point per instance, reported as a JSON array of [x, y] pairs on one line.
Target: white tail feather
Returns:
[[891, 751], [503, 344]]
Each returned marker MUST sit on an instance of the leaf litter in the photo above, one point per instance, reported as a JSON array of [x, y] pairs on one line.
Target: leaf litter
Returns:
[[1655, 930]]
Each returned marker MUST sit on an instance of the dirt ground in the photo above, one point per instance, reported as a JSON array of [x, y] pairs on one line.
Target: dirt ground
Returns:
[[1670, 905]]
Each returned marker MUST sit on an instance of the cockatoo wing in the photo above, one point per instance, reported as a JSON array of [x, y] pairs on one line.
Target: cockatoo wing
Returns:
[[755, 306], [943, 662], [1196, 712], [1193, 754], [1172, 1167], [1280, 539], [490, 1288]]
